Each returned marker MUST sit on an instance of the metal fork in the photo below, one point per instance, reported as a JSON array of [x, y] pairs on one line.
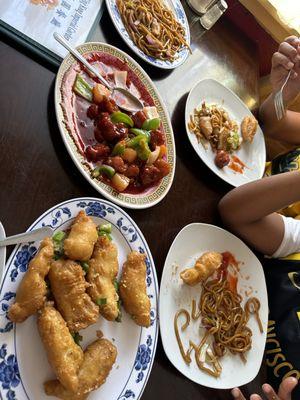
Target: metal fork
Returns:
[[278, 100]]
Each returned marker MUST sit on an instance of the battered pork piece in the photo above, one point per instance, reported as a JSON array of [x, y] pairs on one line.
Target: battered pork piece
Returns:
[[133, 289], [99, 358], [205, 266], [68, 287], [102, 274], [31, 294], [80, 242], [64, 355]]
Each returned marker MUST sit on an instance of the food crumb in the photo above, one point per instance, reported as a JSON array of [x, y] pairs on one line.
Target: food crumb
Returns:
[[99, 334]]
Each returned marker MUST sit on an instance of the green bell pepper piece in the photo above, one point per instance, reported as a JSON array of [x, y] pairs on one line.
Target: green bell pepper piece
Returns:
[[143, 150], [82, 88], [104, 169], [119, 116], [139, 132], [119, 148], [151, 124]]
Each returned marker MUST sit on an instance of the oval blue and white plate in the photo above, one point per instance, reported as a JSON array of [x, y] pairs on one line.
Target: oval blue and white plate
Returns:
[[23, 363], [178, 11]]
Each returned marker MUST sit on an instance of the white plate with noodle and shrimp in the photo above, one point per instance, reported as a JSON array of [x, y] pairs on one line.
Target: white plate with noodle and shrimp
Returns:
[[237, 285]]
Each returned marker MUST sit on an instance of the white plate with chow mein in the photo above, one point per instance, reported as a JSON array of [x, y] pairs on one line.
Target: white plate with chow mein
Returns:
[[224, 133], [213, 307], [157, 31]]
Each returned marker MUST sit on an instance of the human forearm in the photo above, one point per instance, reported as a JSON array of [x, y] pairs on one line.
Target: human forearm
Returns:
[[256, 200]]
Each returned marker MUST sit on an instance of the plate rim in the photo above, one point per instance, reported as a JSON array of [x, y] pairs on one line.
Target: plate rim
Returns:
[[155, 282], [189, 134], [66, 137], [129, 42], [163, 339]]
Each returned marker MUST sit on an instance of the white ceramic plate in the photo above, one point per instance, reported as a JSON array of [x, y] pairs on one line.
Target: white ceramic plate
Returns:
[[252, 154], [149, 197], [23, 364], [178, 11], [189, 244]]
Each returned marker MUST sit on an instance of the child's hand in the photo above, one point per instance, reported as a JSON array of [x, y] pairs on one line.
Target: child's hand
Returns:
[[286, 58], [284, 392]]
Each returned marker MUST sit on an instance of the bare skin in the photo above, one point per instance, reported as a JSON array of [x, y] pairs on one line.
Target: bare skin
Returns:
[[284, 392], [250, 210]]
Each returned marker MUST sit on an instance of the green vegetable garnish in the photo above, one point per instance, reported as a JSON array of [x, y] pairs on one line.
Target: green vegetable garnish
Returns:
[[101, 302], [58, 244], [105, 228], [138, 133], [233, 141], [116, 285], [77, 338], [119, 116], [140, 144], [101, 233], [104, 169], [119, 317], [85, 266], [151, 124], [119, 148], [82, 88]]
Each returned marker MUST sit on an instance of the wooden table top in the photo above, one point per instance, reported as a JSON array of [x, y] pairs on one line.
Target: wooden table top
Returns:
[[36, 171]]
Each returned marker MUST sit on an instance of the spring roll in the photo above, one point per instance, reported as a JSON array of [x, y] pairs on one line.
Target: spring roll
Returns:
[[99, 358], [102, 274], [133, 291], [68, 287], [31, 294], [64, 355], [80, 242]]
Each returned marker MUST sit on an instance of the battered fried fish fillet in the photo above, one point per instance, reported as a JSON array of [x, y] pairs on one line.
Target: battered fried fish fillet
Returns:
[[99, 358], [133, 289], [102, 273], [31, 294], [64, 355], [249, 127], [80, 242], [68, 287], [205, 266]]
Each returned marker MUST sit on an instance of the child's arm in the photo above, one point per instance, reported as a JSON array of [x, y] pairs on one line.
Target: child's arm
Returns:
[[287, 58], [250, 210]]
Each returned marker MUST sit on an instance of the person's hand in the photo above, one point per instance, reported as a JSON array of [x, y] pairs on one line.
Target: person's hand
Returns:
[[285, 59], [284, 393]]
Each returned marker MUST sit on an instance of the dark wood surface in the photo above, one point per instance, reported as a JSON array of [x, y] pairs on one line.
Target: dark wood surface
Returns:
[[36, 171]]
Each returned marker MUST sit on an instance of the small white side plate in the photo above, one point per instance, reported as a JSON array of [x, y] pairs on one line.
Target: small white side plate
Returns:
[[252, 154], [189, 244]]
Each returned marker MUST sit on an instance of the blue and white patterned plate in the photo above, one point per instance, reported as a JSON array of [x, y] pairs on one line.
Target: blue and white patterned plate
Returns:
[[23, 364], [177, 9]]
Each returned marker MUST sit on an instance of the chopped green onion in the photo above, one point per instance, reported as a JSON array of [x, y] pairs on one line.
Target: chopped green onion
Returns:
[[116, 285], [85, 266], [105, 227], [101, 233], [151, 124], [101, 302], [58, 244], [104, 169], [77, 338], [82, 88], [119, 116]]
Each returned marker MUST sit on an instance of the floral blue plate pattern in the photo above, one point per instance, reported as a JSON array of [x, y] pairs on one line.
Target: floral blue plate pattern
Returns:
[[177, 9], [23, 364]]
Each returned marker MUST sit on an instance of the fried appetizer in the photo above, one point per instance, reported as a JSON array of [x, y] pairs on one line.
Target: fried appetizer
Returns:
[[80, 243], [64, 355], [102, 274], [68, 287], [31, 294], [99, 358], [204, 267], [133, 289], [249, 127]]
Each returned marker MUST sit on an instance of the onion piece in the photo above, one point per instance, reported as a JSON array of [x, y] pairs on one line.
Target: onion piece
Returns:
[[153, 156], [120, 79]]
